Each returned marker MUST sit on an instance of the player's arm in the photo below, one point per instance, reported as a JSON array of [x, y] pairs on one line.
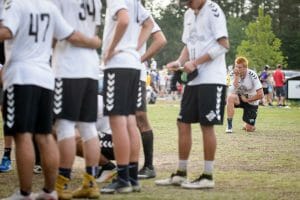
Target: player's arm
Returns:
[[145, 33], [5, 33], [220, 48], [158, 42], [122, 19], [259, 95], [184, 57], [80, 40]]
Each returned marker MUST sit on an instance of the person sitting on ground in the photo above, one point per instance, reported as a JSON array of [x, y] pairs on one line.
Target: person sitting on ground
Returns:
[[245, 92]]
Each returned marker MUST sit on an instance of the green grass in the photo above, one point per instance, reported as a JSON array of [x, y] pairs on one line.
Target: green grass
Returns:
[[260, 165]]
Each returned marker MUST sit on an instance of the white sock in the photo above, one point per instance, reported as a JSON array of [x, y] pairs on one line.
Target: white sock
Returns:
[[208, 166], [182, 165]]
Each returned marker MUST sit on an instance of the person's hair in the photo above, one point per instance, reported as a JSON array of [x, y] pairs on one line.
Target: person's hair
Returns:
[[279, 66], [241, 60]]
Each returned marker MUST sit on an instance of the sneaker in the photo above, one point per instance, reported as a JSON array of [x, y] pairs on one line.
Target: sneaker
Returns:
[[146, 173], [37, 169], [18, 196], [61, 187], [204, 181], [118, 185], [46, 196], [229, 130], [175, 179], [106, 175], [5, 164], [88, 190], [136, 187]]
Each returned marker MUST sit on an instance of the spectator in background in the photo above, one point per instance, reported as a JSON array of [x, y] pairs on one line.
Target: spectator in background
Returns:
[[264, 78], [279, 80]]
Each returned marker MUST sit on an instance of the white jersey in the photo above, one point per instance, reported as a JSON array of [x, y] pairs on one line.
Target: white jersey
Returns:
[[76, 62], [102, 123], [143, 74], [247, 86], [200, 33], [33, 24], [1, 8], [128, 57]]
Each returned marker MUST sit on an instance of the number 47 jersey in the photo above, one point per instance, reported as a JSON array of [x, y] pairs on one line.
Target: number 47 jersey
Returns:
[[33, 24], [76, 62]]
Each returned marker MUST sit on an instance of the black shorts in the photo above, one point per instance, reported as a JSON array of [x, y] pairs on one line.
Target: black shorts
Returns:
[[266, 90], [1, 95], [141, 100], [250, 112], [120, 91], [204, 104], [27, 108], [106, 145], [76, 99], [280, 91]]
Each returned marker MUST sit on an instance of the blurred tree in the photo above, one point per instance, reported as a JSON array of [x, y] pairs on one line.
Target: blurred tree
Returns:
[[171, 23], [236, 31], [261, 46]]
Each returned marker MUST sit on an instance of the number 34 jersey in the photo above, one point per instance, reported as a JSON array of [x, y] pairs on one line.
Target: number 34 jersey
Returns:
[[33, 24], [76, 62]]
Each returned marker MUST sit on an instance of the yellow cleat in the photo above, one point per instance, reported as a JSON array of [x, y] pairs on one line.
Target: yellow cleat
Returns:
[[89, 188], [61, 187]]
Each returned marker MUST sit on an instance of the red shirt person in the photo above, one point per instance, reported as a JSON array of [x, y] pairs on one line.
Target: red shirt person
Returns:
[[279, 81]]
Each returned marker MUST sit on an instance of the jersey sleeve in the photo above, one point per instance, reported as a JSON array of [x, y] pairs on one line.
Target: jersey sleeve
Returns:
[[62, 29], [185, 33], [12, 15], [114, 6], [218, 22], [142, 13], [156, 28]]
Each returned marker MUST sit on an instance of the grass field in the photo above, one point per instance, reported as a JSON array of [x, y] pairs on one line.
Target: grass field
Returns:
[[260, 165]]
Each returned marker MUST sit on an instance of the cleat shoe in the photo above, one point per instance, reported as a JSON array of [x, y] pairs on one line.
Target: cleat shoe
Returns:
[[106, 175], [37, 169], [18, 196], [146, 173], [136, 187], [175, 179], [203, 182], [89, 188], [229, 130], [118, 185], [5, 164], [61, 187], [47, 196]]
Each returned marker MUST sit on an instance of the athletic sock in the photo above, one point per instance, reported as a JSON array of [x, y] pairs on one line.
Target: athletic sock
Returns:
[[208, 167], [65, 172], [182, 165], [108, 166], [229, 123], [7, 152], [92, 170], [147, 139], [133, 170], [123, 172]]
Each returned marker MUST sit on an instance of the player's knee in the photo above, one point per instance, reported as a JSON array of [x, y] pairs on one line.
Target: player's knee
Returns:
[[87, 130], [64, 129], [142, 121]]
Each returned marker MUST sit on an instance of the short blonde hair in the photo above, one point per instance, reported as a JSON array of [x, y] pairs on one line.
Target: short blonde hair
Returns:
[[241, 60]]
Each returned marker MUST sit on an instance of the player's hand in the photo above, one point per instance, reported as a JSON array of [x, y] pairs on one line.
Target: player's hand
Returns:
[[236, 72], [244, 99], [190, 66], [173, 66], [108, 55]]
